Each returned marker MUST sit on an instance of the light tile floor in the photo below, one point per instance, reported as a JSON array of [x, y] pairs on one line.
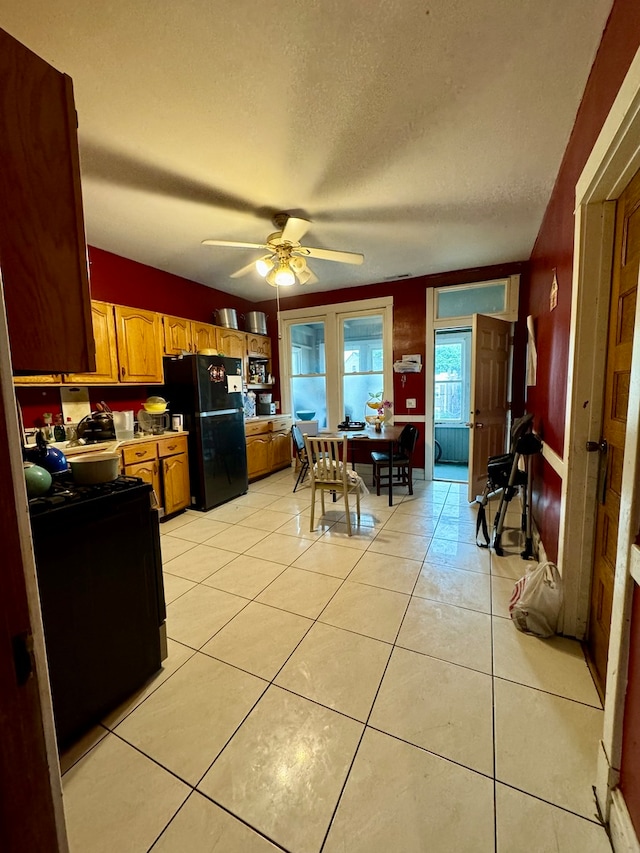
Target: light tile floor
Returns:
[[327, 693]]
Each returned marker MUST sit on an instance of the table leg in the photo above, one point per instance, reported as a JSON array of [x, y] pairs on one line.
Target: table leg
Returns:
[[391, 443]]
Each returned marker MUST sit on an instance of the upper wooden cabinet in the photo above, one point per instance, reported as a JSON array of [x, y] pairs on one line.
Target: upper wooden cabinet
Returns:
[[231, 342], [259, 345], [203, 336], [104, 333], [181, 335], [138, 334], [42, 243]]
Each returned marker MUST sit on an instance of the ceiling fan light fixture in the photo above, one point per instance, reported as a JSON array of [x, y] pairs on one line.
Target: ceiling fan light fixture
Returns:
[[304, 276], [298, 265], [284, 276], [264, 266]]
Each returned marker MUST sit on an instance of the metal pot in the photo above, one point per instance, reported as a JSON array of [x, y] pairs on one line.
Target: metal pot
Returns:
[[226, 317], [256, 322]]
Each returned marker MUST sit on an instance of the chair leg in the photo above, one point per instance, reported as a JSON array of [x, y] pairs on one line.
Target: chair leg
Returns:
[[410, 477], [376, 475], [301, 474], [346, 506], [358, 505], [313, 505]]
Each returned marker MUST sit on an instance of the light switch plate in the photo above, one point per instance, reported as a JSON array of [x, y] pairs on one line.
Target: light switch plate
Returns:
[[411, 403]]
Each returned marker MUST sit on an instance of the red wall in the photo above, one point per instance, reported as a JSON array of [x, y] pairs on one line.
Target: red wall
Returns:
[[125, 282], [554, 250]]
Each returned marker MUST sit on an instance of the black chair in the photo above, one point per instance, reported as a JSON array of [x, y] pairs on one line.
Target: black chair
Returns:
[[301, 453], [400, 466]]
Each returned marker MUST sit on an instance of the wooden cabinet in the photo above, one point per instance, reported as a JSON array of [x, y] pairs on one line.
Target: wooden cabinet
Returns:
[[138, 335], [104, 333], [176, 335], [268, 446], [259, 345], [42, 242], [163, 462], [203, 336], [45, 379], [231, 342], [280, 450], [174, 458]]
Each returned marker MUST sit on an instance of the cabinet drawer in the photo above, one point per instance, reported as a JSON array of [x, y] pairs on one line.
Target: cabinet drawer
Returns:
[[256, 428], [280, 424], [132, 453], [171, 446]]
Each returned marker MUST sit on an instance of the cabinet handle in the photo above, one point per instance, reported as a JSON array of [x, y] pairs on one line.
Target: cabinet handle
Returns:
[[122, 372], [140, 453], [171, 446], [155, 467]]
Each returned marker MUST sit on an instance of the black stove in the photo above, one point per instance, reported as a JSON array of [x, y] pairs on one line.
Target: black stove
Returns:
[[65, 492]]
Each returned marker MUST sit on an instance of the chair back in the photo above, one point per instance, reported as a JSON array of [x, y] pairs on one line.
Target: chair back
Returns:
[[328, 455], [408, 439], [298, 443]]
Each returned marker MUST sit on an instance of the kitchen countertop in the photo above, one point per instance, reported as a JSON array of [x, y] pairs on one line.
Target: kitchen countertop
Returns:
[[259, 418], [108, 446]]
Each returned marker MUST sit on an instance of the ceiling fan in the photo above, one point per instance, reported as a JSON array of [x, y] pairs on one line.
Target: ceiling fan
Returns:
[[285, 261]]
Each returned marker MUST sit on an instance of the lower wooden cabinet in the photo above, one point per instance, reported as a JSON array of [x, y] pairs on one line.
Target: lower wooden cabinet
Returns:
[[268, 446], [163, 462]]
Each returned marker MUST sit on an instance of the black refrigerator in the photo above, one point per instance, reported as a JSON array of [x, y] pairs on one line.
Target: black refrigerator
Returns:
[[207, 391]]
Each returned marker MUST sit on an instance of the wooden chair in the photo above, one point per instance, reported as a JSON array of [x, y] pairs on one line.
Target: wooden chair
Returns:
[[331, 473], [400, 467]]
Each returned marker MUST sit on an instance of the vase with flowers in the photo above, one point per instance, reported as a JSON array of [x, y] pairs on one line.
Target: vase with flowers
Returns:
[[381, 407]]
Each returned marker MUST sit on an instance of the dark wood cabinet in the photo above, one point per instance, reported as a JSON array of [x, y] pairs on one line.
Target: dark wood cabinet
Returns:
[[43, 255]]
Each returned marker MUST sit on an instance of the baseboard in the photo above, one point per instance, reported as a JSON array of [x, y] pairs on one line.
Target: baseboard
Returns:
[[621, 829]]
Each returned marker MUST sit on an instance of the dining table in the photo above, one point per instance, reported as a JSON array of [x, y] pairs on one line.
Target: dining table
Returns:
[[370, 439]]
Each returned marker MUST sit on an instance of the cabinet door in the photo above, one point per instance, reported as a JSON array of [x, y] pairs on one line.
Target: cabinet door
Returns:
[[42, 238], [175, 483], [258, 455], [259, 345], [203, 336], [231, 342], [149, 472], [139, 342], [280, 450], [104, 333], [177, 335]]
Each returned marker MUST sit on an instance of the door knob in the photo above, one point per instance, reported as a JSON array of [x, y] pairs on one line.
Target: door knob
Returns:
[[479, 425], [597, 446]]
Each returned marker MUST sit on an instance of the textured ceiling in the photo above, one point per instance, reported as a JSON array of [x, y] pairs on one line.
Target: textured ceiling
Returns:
[[426, 135]]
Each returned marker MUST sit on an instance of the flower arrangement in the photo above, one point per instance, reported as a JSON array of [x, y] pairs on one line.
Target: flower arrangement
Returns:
[[380, 406]]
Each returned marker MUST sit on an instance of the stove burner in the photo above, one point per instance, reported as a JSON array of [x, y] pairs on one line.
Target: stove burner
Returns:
[[64, 491]]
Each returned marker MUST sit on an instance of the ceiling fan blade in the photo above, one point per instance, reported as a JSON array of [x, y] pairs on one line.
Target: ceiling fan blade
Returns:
[[249, 268], [295, 229], [331, 255], [234, 244]]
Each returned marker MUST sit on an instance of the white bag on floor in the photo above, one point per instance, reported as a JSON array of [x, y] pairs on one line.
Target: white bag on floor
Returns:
[[536, 601]]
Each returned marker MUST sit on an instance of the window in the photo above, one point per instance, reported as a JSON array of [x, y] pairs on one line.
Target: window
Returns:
[[332, 359], [308, 377], [451, 376]]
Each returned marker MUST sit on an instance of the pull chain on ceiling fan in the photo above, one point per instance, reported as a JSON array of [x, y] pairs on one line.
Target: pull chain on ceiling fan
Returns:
[[285, 261]]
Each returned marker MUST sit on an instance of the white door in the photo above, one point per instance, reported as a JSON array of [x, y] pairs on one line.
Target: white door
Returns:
[[489, 396]]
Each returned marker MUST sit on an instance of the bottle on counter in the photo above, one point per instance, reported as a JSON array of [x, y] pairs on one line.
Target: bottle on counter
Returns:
[[59, 433]]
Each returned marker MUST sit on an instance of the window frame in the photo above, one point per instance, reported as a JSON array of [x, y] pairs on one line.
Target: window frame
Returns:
[[332, 316]]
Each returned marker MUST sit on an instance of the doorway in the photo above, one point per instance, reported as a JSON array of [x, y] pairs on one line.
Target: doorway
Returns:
[[451, 397]]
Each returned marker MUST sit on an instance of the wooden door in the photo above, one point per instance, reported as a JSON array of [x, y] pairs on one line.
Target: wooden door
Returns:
[[489, 409], [280, 450], [177, 335], [203, 336], [104, 333], [139, 340], [622, 306], [175, 482], [42, 240]]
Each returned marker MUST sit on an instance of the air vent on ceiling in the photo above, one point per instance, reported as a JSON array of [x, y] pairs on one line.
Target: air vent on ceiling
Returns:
[[396, 277]]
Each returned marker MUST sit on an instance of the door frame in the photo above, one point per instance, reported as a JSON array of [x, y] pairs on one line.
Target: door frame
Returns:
[[613, 161], [432, 325]]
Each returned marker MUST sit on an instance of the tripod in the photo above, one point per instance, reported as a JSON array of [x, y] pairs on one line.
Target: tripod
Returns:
[[506, 473]]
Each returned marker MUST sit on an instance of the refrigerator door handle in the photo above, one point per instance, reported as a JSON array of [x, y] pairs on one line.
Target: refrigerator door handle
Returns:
[[217, 412]]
